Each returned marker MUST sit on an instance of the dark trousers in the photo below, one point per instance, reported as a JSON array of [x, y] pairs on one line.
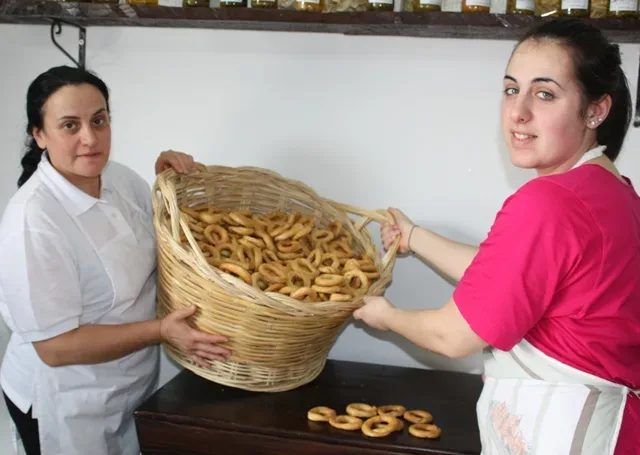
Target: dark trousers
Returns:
[[27, 427]]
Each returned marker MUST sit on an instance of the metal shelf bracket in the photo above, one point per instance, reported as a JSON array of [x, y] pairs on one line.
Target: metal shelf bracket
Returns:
[[56, 29]]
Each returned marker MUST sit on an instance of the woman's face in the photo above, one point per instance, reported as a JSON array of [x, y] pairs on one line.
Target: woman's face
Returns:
[[76, 131], [543, 119]]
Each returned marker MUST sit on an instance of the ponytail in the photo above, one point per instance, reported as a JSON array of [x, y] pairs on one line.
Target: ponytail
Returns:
[[614, 128], [30, 161]]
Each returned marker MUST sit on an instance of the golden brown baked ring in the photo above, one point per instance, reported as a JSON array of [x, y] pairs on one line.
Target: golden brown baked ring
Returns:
[[418, 416], [425, 430], [372, 428], [320, 414], [343, 422], [361, 410], [396, 410]]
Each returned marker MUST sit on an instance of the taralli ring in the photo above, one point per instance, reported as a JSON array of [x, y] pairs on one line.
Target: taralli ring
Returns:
[[418, 417], [372, 428], [361, 410], [343, 422], [425, 430], [395, 410], [320, 414]]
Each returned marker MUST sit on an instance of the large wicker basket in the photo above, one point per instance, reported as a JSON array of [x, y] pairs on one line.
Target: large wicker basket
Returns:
[[277, 343]]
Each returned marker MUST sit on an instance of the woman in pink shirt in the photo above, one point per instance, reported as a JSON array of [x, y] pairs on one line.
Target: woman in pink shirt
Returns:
[[552, 295]]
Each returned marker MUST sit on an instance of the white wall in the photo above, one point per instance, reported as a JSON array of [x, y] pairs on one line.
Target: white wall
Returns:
[[370, 121]]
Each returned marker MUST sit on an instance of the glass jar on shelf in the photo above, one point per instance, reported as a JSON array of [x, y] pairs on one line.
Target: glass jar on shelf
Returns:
[[575, 8], [622, 8], [380, 5], [476, 6], [142, 2], [427, 5], [195, 3], [312, 6], [233, 3], [524, 7], [264, 4]]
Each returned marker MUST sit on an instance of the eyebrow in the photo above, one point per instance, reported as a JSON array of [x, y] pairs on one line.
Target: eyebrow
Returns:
[[73, 117], [537, 79]]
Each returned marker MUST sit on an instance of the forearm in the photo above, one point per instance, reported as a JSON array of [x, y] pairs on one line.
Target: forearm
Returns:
[[90, 344], [419, 327], [443, 331], [446, 256]]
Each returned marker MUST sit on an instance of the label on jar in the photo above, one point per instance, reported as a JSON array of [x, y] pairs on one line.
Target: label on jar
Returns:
[[486, 3], [575, 4], [430, 2], [526, 5], [623, 5]]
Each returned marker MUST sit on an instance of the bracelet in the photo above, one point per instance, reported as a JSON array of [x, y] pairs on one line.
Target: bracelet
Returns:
[[409, 239]]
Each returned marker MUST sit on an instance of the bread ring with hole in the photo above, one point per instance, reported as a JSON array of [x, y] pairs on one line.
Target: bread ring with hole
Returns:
[[330, 260], [242, 219], [357, 281], [380, 431], [361, 410], [345, 422], [340, 297], [322, 235], [273, 272], [396, 410], [326, 290], [329, 280], [425, 430], [320, 414], [298, 279], [304, 265], [417, 416], [237, 271], [305, 293], [315, 257], [258, 281]]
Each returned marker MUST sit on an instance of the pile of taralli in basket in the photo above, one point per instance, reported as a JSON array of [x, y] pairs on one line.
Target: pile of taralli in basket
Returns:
[[270, 264]]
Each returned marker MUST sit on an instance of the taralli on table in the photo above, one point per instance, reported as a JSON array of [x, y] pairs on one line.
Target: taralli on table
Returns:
[[345, 422], [418, 416], [372, 428], [380, 421], [395, 410], [425, 430], [320, 414], [286, 253], [361, 410]]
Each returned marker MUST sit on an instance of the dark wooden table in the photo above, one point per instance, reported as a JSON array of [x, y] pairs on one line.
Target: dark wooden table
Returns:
[[191, 415]]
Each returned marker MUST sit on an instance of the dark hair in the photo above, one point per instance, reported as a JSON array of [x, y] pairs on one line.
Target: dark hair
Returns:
[[597, 68], [38, 93]]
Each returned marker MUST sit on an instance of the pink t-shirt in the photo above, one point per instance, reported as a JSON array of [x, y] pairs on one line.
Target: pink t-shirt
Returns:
[[561, 269]]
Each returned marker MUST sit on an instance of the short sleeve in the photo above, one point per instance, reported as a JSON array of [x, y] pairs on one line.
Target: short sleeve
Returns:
[[40, 285], [532, 246]]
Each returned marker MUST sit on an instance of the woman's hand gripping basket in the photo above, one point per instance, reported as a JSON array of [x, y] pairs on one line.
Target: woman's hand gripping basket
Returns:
[[270, 264]]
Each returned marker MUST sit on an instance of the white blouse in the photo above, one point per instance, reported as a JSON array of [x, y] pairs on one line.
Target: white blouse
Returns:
[[52, 275]]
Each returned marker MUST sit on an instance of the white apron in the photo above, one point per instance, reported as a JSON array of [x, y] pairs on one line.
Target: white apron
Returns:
[[88, 409], [532, 404]]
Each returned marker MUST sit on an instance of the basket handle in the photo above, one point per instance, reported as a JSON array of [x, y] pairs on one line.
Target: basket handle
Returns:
[[381, 216]]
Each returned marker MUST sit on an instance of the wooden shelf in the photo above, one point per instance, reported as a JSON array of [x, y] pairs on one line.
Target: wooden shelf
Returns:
[[416, 24]]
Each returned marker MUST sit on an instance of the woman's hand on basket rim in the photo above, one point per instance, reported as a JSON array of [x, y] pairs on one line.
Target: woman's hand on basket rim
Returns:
[[198, 345], [180, 162], [402, 228], [375, 312]]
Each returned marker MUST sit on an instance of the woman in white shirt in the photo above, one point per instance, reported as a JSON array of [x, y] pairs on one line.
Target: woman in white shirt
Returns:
[[78, 280]]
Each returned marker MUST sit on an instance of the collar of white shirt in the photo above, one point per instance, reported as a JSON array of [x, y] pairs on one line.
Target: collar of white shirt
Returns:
[[75, 201]]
